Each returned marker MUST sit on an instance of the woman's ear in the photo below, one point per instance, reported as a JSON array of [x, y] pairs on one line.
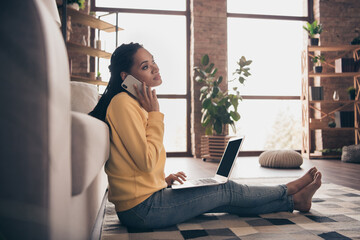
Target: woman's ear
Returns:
[[123, 75]]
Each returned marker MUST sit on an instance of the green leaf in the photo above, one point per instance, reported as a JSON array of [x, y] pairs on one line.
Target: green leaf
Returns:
[[205, 118], [199, 79], [222, 101], [206, 103], [203, 73], [213, 72], [242, 61], [205, 60], [235, 116], [209, 68], [218, 127], [204, 89], [219, 79], [215, 92], [235, 102], [241, 80]]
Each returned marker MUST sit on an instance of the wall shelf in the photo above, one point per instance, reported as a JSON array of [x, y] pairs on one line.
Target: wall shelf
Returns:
[[317, 113], [84, 19], [335, 75], [93, 22], [75, 47], [87, 80], [347, 48]]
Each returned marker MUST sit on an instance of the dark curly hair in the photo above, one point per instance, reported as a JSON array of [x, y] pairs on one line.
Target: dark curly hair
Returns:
[[121, 61]]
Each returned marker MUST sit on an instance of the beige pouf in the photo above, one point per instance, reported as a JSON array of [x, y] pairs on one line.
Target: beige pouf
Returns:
[[280, 159]]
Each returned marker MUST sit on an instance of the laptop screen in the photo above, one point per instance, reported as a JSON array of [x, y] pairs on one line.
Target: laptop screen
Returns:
[[229, 157]]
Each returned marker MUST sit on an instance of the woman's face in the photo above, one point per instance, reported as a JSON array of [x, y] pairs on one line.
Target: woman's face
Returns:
[[145, 69]]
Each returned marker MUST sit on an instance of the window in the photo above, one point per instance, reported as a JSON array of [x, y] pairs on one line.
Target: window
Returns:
[[179, 5], [268, 33], [163, 34], [273, 7]]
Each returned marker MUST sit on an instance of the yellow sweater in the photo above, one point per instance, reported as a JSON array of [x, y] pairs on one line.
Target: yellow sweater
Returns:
[[135, 168]]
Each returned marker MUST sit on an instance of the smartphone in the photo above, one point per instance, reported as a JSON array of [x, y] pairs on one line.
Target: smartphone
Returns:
[[128, 85]]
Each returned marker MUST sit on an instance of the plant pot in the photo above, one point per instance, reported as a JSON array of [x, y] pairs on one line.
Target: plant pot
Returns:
[[314, 42], [331, 124], [213, 147], [318, 69]]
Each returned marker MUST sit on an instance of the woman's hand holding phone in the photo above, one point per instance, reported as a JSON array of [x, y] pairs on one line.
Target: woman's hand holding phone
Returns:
[[147, 98]]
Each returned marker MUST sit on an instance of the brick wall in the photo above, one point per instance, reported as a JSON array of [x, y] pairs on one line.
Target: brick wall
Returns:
[[340, 19], [208, 36], [79, 62]]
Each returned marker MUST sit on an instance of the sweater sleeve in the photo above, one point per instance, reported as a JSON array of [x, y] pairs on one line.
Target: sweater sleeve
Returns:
[[141, 134]]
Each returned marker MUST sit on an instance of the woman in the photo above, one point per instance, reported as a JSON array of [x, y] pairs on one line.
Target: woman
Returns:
[[135, 169]]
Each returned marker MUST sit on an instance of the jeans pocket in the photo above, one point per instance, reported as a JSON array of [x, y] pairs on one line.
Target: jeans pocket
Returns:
[[134, 217]]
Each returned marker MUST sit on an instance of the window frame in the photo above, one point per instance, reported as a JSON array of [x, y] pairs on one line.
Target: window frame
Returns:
[[187, 95], [308, 18]]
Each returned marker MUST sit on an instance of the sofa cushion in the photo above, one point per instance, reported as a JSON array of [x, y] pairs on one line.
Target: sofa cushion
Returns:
[[35, 124], [90, 148], [351, 154], [84, 97], [280, 159]]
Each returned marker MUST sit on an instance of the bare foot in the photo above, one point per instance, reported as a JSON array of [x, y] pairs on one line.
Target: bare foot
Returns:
[[295, 186], [302, 199]]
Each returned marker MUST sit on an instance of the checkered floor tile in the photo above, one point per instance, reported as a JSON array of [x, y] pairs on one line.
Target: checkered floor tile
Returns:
[[335, 214]]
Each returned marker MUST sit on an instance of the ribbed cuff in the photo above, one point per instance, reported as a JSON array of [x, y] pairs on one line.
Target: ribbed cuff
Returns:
[[157, 116]]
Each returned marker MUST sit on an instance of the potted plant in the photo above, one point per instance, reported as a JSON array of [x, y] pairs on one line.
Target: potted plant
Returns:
[[318, 60], [313, 29], [76, 4], [98, 76], [219, 108], [352, 93], [331, 151]]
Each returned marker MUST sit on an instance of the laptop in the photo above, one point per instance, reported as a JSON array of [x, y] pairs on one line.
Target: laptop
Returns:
[[223, 172]]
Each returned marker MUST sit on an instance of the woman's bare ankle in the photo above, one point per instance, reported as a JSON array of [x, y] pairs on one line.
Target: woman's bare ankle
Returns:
[[302, 200], [297, 185]]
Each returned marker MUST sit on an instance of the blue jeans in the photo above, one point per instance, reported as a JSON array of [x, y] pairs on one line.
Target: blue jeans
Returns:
[[168, 207]]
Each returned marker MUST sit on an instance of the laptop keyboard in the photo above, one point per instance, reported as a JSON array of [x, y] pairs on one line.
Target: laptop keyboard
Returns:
[[204, 181]]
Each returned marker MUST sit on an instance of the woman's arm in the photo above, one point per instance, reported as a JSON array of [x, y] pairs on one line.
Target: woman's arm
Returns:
[[141, 137]]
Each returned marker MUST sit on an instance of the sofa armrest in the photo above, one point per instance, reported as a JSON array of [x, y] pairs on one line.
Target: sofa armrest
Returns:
[[90, 148]]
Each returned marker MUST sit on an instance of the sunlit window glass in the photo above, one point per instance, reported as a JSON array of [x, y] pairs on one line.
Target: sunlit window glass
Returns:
[[179, 5], [149, 30], [276, 67], [175, 124], [273, 7], [269, 124]]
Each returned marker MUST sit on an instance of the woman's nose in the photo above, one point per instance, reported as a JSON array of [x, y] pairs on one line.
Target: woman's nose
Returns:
[[155, 68]]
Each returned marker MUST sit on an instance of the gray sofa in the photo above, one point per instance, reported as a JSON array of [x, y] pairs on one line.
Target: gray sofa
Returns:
[[52, 181]]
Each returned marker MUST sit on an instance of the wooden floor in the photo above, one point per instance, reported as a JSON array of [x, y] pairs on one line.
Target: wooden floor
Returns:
[[334, 171]]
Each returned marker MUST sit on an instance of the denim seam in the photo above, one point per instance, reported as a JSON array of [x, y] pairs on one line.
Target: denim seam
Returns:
[[206, 196], [258, 195], [183, 203]]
